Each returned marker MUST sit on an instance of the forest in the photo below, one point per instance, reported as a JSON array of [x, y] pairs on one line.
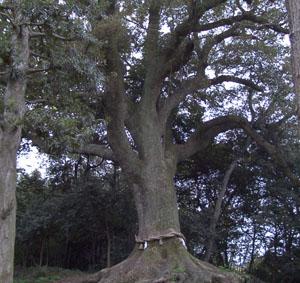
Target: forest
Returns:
[[169, 132]]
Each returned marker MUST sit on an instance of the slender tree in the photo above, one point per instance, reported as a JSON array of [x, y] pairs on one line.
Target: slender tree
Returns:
[[218, 210]]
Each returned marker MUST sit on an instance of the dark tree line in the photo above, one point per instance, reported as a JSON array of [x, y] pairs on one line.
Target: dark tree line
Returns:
[[83, 217]]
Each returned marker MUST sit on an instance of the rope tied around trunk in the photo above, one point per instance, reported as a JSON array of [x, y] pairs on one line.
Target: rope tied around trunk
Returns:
[[143, 243]]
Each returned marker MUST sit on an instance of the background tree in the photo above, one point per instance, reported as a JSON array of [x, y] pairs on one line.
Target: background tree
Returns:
[[74, 221], [293, 8], [14, 66], [20, 58]]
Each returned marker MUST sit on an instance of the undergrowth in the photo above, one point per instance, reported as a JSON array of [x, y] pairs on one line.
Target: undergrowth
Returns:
[[42, 274]]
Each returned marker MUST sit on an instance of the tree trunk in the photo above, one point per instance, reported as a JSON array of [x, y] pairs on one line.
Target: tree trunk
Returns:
[[10, 136], [8, 207], [160, 254], [293, 7], [156, 204], [252, 254], [108, 250], [217, 212], [42, 252]]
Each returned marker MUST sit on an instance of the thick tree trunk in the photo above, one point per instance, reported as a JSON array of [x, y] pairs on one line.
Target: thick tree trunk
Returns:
[[156, 204], [160, 254], [10, 136], [8, 205], [293, 7]]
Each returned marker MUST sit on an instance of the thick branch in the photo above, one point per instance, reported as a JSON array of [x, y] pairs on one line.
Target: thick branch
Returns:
[[180, 57], [229, 78], [191, 25], [217, 39], [246, 16], [117, 108], [192, 85], [206, 133], [185, 88], [53, 34], [96, 149], [265, 23], [178, 48], [152, 58], [37, 70]]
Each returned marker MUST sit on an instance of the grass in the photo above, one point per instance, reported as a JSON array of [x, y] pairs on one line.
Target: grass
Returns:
[[42, 274]]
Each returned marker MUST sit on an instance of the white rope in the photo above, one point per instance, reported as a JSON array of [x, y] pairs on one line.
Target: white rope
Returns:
[[143, 243], [183, 242]]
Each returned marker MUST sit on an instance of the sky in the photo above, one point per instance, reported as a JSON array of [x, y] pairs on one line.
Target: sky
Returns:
[[32, 160]]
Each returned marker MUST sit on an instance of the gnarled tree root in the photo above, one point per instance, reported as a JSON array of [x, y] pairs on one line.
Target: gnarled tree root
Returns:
[[165, 263]]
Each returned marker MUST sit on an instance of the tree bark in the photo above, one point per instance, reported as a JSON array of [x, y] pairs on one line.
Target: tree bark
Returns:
[[10, 136], [8, 208], [108, 249], [156, 204], [293, 7], [217, 211]]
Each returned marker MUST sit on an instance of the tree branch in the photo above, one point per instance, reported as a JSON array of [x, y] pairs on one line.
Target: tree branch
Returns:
[[180, 57], [210, 129], [8, 17], [204, 136], [117, 107], [246, 16], [211, 42], [197, 10], [37, 70], [182, 90], [53, 34], [152, 58], [96, 149], [265, 23], [230, 78]]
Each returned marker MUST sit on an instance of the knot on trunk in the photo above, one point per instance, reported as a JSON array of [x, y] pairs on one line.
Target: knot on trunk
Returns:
[[7, 211]]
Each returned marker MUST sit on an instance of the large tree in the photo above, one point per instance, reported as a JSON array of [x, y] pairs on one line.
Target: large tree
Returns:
[[146, 68], [293, 7], [154, 60]]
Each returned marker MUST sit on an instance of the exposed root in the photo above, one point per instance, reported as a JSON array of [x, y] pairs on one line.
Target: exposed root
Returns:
[[165, 263]]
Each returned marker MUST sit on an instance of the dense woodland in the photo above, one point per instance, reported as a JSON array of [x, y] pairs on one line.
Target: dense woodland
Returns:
[[172, 138], [82, 216]]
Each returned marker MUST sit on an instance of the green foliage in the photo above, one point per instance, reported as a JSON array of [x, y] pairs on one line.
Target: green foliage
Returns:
[[59, 218], [274, 268]]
